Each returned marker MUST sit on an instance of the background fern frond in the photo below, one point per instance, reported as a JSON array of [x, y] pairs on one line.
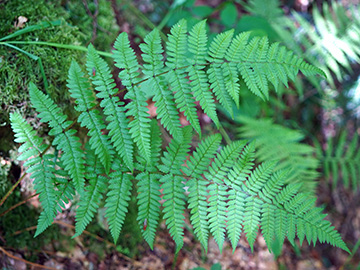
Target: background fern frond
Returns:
[[275, 142], [341, 160], [65, 140]]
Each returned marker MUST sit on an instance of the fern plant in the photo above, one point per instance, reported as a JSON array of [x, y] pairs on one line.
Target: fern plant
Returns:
[[228, 193], [341, 160]]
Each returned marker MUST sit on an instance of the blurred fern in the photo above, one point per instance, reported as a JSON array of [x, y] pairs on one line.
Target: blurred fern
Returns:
[[278, 143], [341, 160]]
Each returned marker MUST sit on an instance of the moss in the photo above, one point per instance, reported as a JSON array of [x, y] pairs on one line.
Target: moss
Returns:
[[106, 30], [17, 69]]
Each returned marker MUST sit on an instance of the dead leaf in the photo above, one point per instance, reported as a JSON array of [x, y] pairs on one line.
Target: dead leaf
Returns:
[[21, 20]]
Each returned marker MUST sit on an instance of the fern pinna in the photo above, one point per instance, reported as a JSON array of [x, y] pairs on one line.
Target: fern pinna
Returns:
[[227, 193]]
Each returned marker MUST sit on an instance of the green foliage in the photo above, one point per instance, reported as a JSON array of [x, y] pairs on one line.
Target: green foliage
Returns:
[[332, 43], [228, 195], [278, 143], [341, 160]]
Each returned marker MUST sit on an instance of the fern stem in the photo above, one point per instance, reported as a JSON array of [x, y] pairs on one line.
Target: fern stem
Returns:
[[224, 134], [25, 261]]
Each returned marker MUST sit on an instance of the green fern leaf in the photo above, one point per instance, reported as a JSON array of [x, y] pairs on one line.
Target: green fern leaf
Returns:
[[117, 200], [236, 200], [90, 118], [149, 205], [252, 219], [139, 127], [173, 187], [197, 75], [90, 198], [176, 51], [217, 202], [197, 164], [65, 140], [40, 166], [217, 79], [166, 109], [112, 107]]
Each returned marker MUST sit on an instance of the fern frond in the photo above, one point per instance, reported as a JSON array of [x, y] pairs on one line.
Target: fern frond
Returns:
[[176, 49], [341, 160], [198, 80], [113, 108], [153, 67], [139, 127], [65, 140], [149, 205], [117, 200], [92, 196], [90, 118]]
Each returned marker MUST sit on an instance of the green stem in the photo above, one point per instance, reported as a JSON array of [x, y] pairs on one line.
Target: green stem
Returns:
[[224, 134], [57, 45]]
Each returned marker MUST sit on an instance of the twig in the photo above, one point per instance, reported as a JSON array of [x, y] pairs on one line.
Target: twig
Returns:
[[25, 261], [17, 205], [12, 189], [94, 17]]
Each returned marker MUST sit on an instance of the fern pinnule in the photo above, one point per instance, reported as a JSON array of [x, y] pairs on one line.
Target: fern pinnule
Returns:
[[39, 165], [92, 195], [222, 164], [173, 187], [163, 97], [148, 205], [197, 164], [218, 78], [118, 198], [113, 108], [89, 117], [176, 49], [72, 157], [198, 80], [139, 127]]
